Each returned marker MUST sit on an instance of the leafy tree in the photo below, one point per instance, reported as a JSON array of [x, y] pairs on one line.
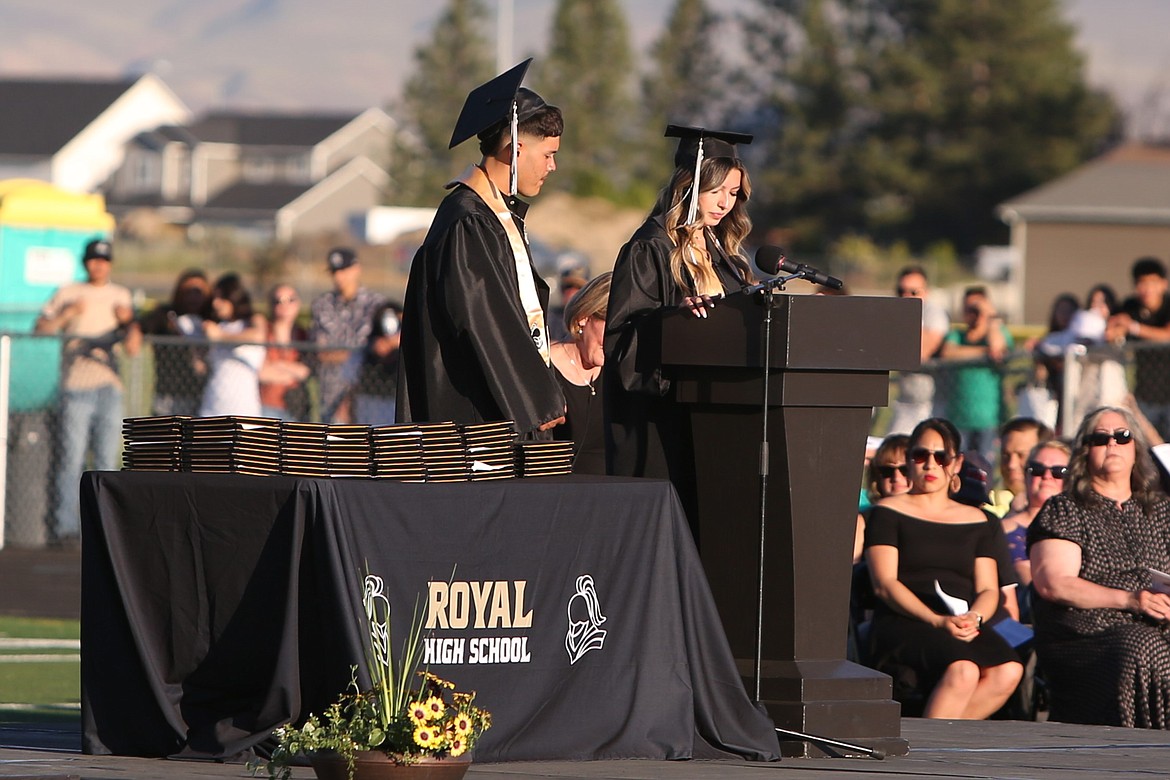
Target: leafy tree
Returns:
[[685, 83], [588, 74], [457, 59], [913, 119]]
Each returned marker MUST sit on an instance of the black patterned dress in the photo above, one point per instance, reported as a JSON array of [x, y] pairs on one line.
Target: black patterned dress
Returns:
[[1106, 666]]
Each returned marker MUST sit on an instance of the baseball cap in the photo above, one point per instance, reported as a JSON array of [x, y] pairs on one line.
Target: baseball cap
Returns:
[[340, 258], [98, 248]]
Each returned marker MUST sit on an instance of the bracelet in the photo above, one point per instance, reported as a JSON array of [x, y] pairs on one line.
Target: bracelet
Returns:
[[1135, 327], [978, 619]]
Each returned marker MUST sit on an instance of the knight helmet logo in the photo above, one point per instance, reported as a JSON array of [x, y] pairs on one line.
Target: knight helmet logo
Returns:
[[585, 619]]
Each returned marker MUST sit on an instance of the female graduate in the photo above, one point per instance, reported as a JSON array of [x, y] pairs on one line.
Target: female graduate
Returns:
[[687, 251]]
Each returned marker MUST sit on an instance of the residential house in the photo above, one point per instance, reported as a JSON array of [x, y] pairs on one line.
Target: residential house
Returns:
[[72, 132], [268, 174], [1090, 225]]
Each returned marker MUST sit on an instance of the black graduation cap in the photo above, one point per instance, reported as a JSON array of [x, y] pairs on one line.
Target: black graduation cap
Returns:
[[697, 144], [716, 143], [491, 103]]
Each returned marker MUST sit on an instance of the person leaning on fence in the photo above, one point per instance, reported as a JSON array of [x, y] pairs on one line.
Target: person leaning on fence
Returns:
[[974, 402], [180, 369], [376, 394], [236, 332], [1145, 317], [1101, 623], [342, 320], [92, 317], [282, 377], [915, 400]]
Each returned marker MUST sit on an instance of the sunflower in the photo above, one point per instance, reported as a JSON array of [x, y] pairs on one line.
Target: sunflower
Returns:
[[461, 724], [417, 712], [435, 707], [426, 737], [458, 747]]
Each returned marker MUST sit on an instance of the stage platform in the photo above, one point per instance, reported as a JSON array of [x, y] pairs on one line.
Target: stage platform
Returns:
[[938, 749]]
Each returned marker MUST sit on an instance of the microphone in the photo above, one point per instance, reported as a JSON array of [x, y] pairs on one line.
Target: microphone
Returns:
[[772, 260]]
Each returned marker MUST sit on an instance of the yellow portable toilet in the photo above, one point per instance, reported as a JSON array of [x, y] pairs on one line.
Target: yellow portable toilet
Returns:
[[43, 230]]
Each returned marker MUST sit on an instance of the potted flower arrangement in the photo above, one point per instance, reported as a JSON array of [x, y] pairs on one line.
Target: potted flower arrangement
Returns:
[[409, 723]]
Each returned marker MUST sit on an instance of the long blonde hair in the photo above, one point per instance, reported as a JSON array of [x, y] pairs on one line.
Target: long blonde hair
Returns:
[[691, 266]]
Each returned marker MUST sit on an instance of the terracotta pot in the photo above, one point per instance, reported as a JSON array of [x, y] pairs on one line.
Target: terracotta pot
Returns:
[[376, 765]]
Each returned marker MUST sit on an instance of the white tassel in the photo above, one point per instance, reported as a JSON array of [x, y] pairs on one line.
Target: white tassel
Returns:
[[694, 207], [515, 147]]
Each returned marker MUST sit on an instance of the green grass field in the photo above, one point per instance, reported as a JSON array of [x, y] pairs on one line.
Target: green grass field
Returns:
[[33, 686]]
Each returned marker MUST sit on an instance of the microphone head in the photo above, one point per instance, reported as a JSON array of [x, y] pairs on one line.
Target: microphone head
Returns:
[[770, 259]]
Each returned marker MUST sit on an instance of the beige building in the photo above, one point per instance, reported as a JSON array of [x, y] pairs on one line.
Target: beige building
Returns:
[[1088, 226]]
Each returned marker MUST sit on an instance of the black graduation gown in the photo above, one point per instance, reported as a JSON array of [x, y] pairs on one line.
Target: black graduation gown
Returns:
[[467, 355], [648, 434]]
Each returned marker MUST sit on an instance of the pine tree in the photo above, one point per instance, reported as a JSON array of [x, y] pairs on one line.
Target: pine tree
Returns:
[[685, 84], [588, 74], [905, 119], [457, 59]]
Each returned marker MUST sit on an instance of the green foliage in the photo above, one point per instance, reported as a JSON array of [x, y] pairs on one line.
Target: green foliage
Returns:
[[406, 713], [587, 72], [685, 84], [453, 62], [905, 119]]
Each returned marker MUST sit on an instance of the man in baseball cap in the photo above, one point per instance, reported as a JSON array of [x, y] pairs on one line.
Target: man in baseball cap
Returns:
[[341, 324]]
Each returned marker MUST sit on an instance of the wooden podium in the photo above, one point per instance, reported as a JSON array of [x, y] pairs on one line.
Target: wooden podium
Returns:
[[829, 366]]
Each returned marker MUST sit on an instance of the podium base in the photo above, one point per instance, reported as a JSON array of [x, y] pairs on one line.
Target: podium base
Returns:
[[829, 698]]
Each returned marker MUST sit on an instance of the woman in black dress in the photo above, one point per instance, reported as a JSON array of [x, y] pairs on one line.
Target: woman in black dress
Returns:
[[578, 363], [686, 252], [1102, 626], [933, 564]]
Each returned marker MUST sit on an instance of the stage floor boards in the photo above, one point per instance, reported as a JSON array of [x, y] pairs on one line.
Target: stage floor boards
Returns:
[[938, 749]]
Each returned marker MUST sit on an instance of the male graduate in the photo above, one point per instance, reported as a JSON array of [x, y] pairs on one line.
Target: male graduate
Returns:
[[474, 341]]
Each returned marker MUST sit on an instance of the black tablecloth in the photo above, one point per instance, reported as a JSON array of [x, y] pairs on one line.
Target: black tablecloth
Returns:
[[215, 608]]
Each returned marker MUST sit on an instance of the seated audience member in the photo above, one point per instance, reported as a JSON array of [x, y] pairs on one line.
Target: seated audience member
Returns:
[[1044, 477], [283, 374], [886, 475], [578, 363], [1017, 438], [1101, 627], [932, 560], [974, 402]]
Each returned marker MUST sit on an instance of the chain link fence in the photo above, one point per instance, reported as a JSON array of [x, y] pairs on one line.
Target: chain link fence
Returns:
[[301, 381]]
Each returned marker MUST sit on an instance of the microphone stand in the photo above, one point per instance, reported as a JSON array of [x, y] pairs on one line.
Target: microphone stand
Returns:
[[767, 288]]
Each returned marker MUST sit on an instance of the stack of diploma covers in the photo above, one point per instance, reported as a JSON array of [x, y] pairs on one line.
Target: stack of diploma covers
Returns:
[[489, 450], [153, 443], [231, 445], [347, 450], [545, 458], [396, 453], [302, 449]]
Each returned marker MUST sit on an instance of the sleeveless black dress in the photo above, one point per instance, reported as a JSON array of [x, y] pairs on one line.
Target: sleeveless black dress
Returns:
[[583, 425], [929, 551]]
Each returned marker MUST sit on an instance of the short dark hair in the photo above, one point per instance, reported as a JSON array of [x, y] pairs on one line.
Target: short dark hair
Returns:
[[548, 122], [976, 289], [1024, 424], [1147, 266], [912, 269]]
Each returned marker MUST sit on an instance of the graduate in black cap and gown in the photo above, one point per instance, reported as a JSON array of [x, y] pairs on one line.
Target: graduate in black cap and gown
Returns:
[[688, 250], [475, 344]]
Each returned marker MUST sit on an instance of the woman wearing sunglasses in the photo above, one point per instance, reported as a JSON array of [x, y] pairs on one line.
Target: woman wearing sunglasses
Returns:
[[887, 475], [932, 560], [1045, 472], [1101, 623]]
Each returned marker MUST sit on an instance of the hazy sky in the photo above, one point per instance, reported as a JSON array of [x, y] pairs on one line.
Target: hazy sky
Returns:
[[350, 54]]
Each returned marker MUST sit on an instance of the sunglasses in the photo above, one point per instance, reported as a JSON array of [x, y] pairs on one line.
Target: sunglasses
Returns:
[[1102, 438], [920, 455], [887, 472], [289, 299], [1038, 470], [904, 291]]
